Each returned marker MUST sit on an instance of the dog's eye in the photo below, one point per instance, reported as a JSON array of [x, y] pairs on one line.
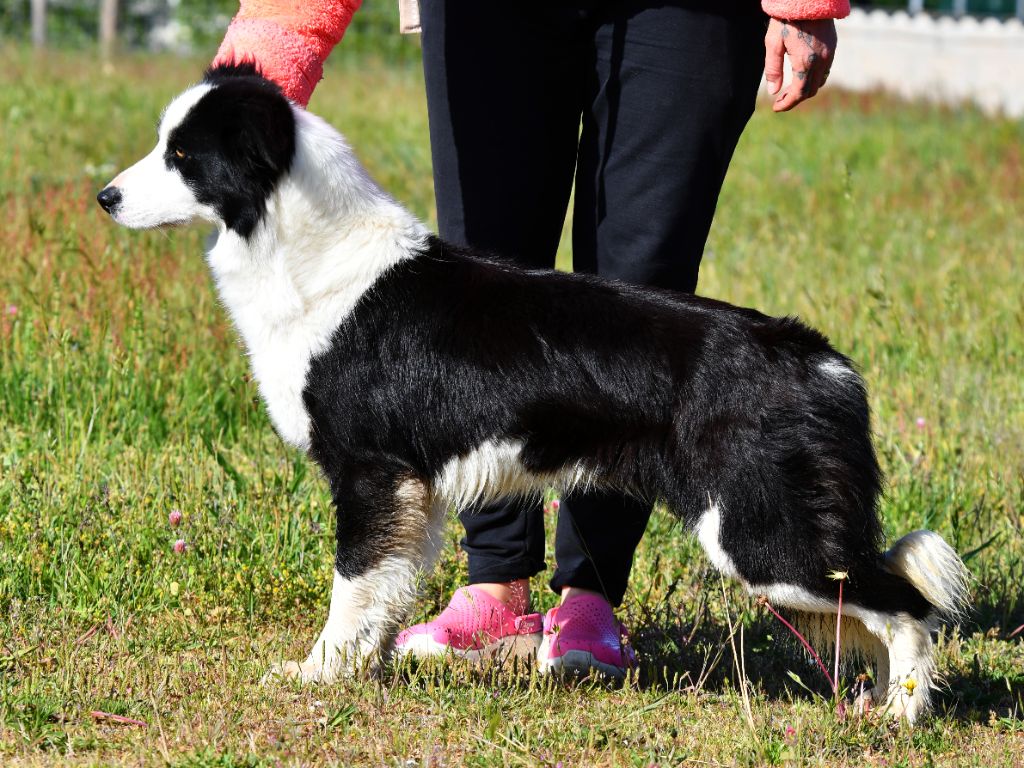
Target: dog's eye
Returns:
[[179, 153]]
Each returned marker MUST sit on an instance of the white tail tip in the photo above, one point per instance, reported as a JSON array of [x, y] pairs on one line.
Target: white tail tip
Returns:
[[925, 560]]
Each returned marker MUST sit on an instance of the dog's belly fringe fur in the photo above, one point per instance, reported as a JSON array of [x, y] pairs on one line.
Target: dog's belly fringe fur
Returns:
[[494, 471]]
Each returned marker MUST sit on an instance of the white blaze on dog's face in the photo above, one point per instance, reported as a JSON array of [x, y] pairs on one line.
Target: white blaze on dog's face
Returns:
[[221, 148], [154, 192]]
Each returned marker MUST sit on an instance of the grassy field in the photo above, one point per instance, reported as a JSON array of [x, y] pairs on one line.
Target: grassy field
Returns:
[[896, 229]]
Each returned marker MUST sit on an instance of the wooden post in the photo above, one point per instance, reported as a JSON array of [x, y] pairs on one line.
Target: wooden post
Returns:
[[959, 7], [915, 6], [1020, 9], [108, 26], [38, 23]]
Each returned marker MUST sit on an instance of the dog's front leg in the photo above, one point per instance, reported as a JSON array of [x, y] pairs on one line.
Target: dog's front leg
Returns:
[[386, 529]]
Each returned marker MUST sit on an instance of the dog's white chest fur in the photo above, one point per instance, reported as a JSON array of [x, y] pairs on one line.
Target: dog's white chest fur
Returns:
[[278, 332], [329, 233], [286, 315]]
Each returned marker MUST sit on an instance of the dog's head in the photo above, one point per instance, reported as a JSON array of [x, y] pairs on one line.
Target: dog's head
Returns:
[[221, 148]]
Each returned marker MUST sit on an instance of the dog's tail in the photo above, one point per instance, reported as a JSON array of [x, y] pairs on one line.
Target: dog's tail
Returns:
[[925, 560]]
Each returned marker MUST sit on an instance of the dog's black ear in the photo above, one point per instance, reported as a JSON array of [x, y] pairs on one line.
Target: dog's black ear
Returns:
[[258, 127], [260, 132]]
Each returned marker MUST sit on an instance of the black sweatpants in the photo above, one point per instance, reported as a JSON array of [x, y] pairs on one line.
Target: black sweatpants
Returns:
[[662, 91]]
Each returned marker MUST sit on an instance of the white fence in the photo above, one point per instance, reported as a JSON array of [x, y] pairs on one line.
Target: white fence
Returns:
[[944, 59]]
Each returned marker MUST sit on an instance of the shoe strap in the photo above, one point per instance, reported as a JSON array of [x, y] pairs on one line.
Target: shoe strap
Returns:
[[525, 624], [528, 624]]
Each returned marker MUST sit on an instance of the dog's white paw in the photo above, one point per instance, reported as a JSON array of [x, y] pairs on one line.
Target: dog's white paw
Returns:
[[305, 672], [897, 702], [318, 669], [905, 704]]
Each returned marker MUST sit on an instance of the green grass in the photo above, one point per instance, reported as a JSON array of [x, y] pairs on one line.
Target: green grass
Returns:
[[124, 394]]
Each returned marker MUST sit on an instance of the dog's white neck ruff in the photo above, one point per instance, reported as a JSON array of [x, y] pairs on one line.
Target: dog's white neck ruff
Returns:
[[328, 234]]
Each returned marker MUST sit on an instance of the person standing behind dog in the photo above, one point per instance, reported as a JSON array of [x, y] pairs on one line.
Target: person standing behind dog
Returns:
[[642, 103]]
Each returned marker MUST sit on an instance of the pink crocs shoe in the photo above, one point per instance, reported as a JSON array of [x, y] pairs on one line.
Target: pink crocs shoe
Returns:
[[582, 636], [474, 626]]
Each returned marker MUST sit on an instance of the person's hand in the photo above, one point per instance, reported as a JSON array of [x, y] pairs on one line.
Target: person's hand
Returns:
[[811, 45]]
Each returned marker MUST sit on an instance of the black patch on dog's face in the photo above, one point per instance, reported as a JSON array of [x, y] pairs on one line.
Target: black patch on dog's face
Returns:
[[234, 145]]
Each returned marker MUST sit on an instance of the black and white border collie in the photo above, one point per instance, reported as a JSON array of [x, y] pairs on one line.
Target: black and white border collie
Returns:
[[422, 377]]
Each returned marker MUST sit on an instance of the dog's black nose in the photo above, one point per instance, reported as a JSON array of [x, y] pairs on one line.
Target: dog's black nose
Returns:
[[109, 199]]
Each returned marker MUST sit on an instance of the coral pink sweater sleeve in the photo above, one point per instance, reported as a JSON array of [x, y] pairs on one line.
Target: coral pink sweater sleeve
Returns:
[[290, 39], [806, 9]]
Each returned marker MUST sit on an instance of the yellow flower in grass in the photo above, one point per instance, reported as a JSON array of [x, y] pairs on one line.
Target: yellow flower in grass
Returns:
[[910, 685]]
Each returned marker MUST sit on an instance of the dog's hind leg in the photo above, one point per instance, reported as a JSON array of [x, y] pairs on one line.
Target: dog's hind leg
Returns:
[[905, 664], [897, 617], [388, 530], [889, 603], [934, 584]]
